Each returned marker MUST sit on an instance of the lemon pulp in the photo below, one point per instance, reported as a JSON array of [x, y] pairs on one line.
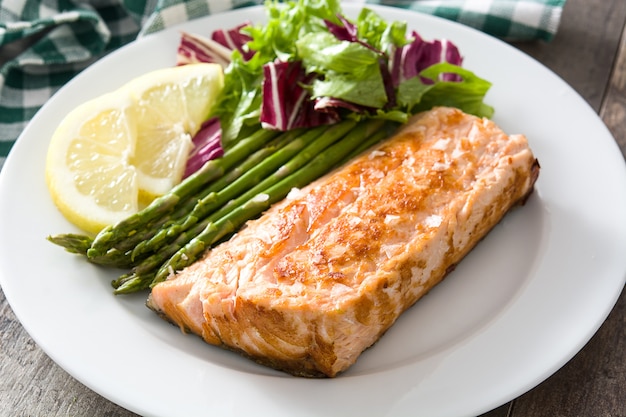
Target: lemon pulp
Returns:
[[112, 154]]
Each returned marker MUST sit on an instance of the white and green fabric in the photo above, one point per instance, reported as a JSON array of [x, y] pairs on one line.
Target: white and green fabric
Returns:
[[72, 34]]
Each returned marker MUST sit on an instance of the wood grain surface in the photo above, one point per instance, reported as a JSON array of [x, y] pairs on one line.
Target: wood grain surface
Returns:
[[589, 52]]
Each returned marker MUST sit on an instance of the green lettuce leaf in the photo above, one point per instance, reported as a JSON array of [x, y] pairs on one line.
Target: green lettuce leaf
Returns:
[[467, 94]]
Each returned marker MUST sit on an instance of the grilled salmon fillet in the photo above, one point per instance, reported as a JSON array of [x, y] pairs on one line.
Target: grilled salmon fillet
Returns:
[[323, 274]]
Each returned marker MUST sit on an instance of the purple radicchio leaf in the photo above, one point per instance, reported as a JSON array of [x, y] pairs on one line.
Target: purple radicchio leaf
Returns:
[[409, 60], [234, 39], [194, 49], [287, 100], [332, 104], [206, 146], [347, 31]]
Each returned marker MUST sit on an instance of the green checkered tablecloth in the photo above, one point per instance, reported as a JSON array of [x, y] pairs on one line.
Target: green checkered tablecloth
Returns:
[[72, 35]]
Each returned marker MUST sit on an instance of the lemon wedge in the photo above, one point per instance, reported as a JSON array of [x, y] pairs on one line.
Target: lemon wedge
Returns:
[[113, 154]]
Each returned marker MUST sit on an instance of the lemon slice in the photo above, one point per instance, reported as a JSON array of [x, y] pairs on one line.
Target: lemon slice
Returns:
[[113, 154]]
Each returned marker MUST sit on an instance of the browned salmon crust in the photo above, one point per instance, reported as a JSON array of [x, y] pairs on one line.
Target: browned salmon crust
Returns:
[[322, 275]]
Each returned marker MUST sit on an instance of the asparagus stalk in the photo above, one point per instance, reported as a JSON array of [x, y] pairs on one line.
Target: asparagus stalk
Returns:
[[130, 283], [372, 140], [72, 242]]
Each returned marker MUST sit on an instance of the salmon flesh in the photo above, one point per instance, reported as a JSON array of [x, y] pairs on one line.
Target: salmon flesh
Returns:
[[320, 276]]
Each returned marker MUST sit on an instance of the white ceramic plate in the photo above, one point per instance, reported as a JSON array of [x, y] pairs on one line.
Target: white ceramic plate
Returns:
[[515, 310]]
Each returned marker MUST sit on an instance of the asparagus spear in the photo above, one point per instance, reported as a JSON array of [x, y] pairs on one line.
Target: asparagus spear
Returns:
[[72, 242], [130, 283]]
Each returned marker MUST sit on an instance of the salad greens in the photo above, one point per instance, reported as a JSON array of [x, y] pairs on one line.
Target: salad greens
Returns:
[[310, 65]]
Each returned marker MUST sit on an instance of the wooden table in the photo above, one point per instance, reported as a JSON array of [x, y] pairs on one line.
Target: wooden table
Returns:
[[589, 52]]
